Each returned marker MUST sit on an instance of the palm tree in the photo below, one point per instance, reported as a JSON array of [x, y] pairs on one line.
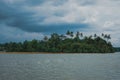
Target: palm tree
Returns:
[[102, 35], [77, 34], [108, 37], [81, 35], [95, 35], [45, 38], [71, 34], [90, 37], [105, 37], [68, 32], [62, 37]]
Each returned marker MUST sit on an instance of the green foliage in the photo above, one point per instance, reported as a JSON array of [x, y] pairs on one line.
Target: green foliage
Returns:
[[69, 43], [117, 49]]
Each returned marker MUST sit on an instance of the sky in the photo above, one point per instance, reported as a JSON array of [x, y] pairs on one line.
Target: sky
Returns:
[[33, 19]]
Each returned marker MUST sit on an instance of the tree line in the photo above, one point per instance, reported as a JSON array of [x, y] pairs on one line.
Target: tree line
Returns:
[[117, 49], [63, 43]]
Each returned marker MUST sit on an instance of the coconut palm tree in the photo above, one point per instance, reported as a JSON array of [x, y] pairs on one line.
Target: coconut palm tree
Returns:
[[71, 34], [102, 35], [62, 37], [108, 37], [68, 32], [45, 38], [95, 35], [105, 37], [77, 34], [81, 35]]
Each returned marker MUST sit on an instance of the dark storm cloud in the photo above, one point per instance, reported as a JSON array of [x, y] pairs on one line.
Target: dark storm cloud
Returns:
[[16, 16], [34, 27], [39, 2]]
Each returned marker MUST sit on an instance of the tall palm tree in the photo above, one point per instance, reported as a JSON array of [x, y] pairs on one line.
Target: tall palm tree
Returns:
[[102, 35], [81, 35], [77, 34], [45, 38], [68, 32], [71, 34], [108, 37], [95, 35]]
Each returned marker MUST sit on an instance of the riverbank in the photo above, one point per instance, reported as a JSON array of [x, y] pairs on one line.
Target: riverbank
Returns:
[[30, 53], [46, 53]]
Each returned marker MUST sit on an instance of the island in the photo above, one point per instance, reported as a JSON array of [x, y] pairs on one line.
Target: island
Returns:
[[71, 42]]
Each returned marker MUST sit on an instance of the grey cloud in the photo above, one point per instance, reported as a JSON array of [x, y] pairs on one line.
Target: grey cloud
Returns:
[[17, 16], [86, 2], [40, 2]]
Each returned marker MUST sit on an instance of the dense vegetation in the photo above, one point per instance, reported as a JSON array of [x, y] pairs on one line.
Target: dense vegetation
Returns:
[[117, 49], [68, 43]]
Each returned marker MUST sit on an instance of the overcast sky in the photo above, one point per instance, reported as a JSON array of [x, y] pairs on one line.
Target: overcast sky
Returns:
[[32, 19]]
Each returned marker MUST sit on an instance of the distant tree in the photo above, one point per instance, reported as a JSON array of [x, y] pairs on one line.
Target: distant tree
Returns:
[[108, 37], [95, 35], [62, 37], [68, 33], [45, 38], [81, 35], [71, 34], [102, 35], [77, 34]]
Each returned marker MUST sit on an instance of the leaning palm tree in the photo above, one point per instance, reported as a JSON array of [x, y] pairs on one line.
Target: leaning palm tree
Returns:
[[90, 37], [108, 37]]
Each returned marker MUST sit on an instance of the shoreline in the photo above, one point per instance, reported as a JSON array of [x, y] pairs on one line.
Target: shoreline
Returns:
[[30, 53], [48, 53]]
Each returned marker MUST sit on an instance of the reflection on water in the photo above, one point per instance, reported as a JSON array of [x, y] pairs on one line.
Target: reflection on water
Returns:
[[59, 66]]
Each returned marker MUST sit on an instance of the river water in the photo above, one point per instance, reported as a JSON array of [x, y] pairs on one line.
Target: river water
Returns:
[[60, 66]]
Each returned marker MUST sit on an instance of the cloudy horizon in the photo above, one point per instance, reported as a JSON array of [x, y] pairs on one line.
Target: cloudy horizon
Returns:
[[32, 19]]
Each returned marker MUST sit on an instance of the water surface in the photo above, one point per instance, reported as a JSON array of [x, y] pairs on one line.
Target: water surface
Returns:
[[60, 66]]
